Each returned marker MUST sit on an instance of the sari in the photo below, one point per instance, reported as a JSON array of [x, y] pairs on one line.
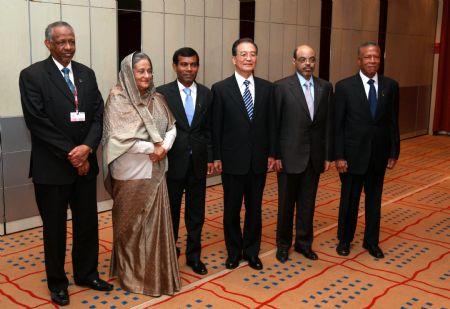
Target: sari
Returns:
[[144, 254]]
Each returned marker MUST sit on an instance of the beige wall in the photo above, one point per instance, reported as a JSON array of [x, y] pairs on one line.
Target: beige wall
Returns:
[[353, 22], [95, 27], [280, 26], [209, 26]]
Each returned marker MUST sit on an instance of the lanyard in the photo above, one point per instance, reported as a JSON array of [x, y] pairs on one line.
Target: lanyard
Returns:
[[75, 93]]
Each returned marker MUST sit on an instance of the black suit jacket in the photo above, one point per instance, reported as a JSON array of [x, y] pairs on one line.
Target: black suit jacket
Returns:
[[196, 137], [300, 138], [47, 103], [240, 143], [360, 138]]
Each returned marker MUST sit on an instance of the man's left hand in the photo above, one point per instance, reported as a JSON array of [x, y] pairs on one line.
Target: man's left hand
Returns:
[[79, 155], [391, 163], [84, 168]]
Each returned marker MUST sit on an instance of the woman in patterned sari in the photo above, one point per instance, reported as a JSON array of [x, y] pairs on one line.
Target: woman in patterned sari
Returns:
[[138, 131]]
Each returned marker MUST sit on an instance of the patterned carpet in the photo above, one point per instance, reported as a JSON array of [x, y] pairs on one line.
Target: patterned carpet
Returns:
[[415, 237]]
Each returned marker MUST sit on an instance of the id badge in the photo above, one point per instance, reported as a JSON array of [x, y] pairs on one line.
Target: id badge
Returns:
[[77, 116]]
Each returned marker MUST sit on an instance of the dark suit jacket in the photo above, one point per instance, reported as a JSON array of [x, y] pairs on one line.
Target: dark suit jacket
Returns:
[[239, 143], [300, 139], [196, 137], [47, 103], [359, 137]]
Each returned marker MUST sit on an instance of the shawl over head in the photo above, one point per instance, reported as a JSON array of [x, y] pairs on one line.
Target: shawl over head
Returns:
[[127, 117]]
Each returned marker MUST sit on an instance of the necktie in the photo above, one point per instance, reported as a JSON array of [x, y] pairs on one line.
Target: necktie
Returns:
[[68, 81], [248, 101], [372, 97], [189, 107], [309, 99]]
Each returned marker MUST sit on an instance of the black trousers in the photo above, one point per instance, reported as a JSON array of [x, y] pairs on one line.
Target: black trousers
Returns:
[[351, 189], [249, 188], [52, 201], [296, 191], [194, 210]]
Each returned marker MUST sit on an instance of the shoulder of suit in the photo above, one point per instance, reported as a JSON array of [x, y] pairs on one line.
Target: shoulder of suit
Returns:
[[202, 87], [34, 68], [347, 80], [285, 80], [388, 79], [262, 81], [82, 67]]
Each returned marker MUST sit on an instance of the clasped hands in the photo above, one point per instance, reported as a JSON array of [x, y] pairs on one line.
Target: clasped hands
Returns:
[[78, 157], [158, 154]]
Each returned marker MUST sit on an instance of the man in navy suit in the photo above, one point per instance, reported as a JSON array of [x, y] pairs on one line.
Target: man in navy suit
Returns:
[[190, 157], [244, 148], [367, 140], [63, 110]]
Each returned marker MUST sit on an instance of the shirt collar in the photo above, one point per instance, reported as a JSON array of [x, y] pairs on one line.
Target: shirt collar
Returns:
[[60, 66], [303, 80], [240, 79], [193, 87], [365, 79]]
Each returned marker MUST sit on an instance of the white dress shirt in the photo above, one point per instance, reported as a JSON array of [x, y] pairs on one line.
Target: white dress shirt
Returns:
[[183, 95], [240, 81], [303, 80], [365, 79], [135, 163], [69, 66]]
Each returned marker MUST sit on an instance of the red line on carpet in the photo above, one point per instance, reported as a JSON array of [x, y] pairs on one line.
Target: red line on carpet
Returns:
[[12, 299], [374, 300], [234, 293], [223, 297]]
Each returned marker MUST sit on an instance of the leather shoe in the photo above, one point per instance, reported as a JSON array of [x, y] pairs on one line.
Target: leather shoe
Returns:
[[343, 248], [232, 262], [307, 253], [60, 297], [282, 255], [254, 262], [374, 251], [98, 285], [197, 267]]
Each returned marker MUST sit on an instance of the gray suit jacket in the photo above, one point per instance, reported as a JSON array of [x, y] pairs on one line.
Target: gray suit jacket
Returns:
[[300, 138]]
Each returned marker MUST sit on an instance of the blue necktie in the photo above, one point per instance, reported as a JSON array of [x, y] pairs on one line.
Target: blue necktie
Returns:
[[248, 101], [372, 98], [189, 107], [68, 81]]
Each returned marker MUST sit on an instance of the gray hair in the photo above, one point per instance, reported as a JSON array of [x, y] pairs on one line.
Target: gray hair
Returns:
[[49, 29], [367, 44], [138, 56]]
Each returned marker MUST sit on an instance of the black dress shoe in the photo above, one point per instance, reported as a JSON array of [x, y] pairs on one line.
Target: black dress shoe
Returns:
[[232, 262], [60, 297], [374, 251], [282, 255], [307, 253], [254, 262], [98, 285], [343, 248], [197, 267]]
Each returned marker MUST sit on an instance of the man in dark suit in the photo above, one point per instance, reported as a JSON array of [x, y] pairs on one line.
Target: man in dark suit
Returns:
[[243, 139], [304, 150], [190, 157], [367, 141], [63, 110]]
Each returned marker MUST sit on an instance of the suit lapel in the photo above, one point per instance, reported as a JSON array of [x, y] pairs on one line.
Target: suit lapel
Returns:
[[235, 94], [361, 92], [317, 95], [79, 78], [381, 102], [57, 78], [297, 91], [198, 106]]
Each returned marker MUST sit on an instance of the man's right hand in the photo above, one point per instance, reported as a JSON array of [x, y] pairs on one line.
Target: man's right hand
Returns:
[[278, 165], [341, 166], [218, 166]]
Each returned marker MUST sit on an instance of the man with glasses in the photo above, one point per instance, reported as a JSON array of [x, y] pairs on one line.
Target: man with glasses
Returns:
[[304, 150], [243, 139]]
